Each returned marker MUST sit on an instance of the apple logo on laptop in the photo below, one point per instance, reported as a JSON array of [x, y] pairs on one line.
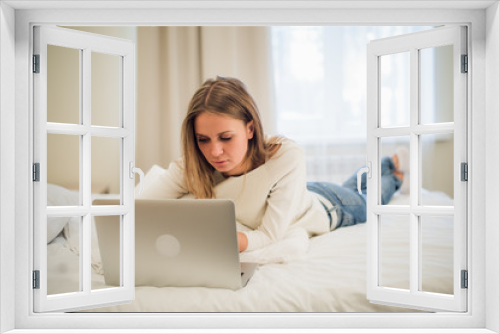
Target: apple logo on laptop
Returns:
[[167, 245]]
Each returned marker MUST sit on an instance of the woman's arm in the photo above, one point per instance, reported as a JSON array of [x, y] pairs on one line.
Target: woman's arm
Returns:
[[285, 201]]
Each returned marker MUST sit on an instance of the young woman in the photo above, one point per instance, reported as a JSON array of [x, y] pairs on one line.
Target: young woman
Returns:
[[226, 155]]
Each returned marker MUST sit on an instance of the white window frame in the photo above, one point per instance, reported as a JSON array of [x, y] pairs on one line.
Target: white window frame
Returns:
[[86, 44], [412, 44], [16, 224]]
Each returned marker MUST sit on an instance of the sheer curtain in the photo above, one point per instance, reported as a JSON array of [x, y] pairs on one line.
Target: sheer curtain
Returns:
[[174, 61], [320, 84]]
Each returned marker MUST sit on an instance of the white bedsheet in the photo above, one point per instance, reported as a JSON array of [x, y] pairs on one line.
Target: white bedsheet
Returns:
[[329, 275]]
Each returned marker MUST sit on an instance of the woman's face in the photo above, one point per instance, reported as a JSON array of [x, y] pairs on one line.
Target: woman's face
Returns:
[[223, 140]]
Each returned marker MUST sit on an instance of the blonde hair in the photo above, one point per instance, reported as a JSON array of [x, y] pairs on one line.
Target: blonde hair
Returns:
[[229, 97]]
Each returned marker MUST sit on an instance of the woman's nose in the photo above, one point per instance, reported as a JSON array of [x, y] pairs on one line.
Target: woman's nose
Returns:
[[216, 149]]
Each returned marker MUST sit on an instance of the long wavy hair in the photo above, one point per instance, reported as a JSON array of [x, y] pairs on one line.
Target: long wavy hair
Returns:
[[229, 97]]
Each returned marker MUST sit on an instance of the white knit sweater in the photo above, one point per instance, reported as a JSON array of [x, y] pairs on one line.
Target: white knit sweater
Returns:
[[270, 200]]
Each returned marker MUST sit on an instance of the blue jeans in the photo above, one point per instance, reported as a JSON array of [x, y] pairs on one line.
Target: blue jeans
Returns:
[[346, 201]]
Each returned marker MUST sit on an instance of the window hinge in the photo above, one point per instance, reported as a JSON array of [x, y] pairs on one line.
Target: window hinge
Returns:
[[36, 279], [36, 63], [465, 64], [36, 172], [465, 279], [464, 171]]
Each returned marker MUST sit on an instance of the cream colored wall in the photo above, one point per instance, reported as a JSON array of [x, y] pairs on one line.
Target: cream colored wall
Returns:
[[63, 106], [443, 164]]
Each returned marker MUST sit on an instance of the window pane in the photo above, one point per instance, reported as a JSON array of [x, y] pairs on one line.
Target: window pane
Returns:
[[63, 85], [106, 90], [63, 260], [388, 180], [107, 244], [436, 84], [63, 166], [395, 90], [437, 168], [106, 166], [437, 254], [395, 251]]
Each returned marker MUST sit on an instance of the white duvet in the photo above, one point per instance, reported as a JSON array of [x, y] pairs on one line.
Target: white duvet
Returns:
[[323, 274]]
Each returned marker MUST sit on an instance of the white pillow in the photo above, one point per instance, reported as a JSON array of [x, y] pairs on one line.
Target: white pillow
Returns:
[[150, 179], [72, 234], [55, 225], [59, 196]]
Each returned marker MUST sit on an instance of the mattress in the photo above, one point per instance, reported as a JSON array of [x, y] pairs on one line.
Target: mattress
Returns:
[[329, 277]]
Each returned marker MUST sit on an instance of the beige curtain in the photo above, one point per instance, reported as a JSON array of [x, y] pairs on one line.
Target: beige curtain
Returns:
[[172, 62]]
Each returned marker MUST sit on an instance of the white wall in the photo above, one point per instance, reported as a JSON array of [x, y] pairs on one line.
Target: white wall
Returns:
[[492, 163], [7, 166]]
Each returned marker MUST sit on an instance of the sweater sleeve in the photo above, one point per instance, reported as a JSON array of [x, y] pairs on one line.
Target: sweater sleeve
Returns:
[[283, 200], [162, 183]]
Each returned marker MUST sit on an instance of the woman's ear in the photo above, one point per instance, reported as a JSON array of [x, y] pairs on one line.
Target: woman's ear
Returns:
[[250, 129]]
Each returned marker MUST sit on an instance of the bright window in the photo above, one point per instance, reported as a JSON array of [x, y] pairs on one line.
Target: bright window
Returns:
[[320, 92], [320, 80]]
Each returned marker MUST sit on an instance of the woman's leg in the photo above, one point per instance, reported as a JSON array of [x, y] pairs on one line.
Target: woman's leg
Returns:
[[346, 201], [348, 204], [390, 180], [352, 182]]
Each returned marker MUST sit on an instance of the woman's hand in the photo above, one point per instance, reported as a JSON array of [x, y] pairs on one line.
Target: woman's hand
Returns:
[[242, 241]]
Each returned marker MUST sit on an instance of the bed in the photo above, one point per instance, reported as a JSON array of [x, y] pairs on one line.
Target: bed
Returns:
[[329, 275]]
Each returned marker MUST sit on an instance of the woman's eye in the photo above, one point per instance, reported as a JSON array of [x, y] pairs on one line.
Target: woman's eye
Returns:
[[226, 138], [202, 140]]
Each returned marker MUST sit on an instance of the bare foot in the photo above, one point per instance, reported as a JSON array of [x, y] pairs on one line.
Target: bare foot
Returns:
[[398, 174]]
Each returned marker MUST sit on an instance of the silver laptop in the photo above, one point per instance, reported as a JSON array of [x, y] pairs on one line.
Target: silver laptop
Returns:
[[180, 243]]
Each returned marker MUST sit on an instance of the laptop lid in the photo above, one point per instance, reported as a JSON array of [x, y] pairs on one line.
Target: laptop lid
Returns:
[[188, 242]]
